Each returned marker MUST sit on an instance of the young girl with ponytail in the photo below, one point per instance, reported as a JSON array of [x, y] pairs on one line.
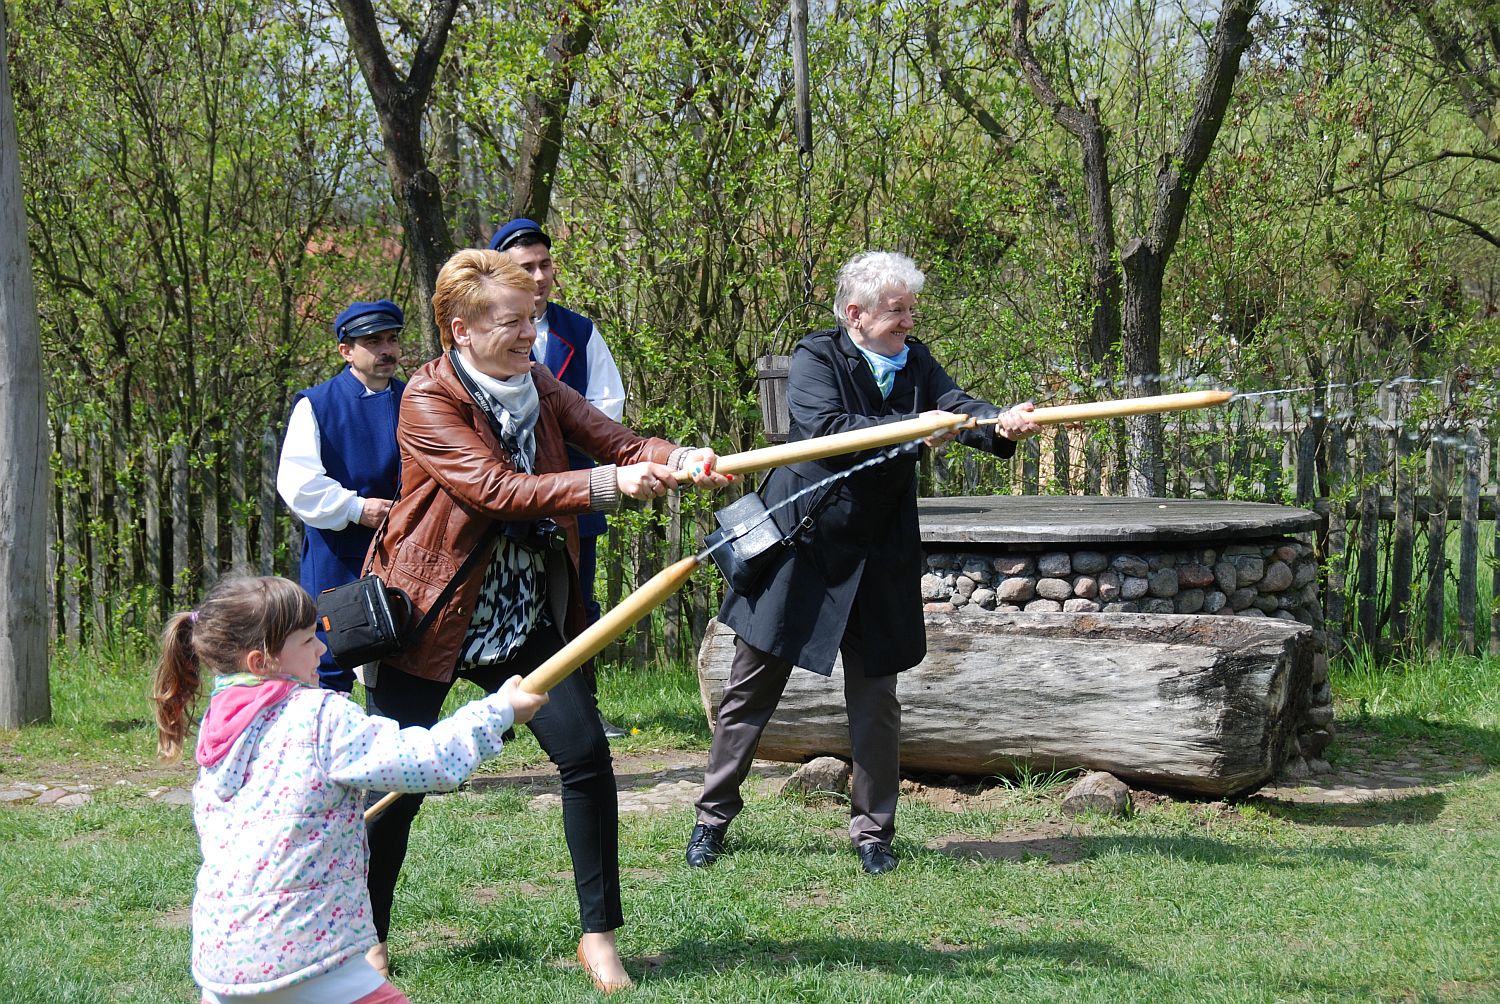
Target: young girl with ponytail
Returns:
[[281, 914]]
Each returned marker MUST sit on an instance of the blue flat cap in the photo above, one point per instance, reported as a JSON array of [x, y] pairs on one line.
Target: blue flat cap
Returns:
[[514, 231], [362, 318]]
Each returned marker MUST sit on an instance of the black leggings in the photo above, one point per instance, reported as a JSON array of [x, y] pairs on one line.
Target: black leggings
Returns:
[[569, 731]]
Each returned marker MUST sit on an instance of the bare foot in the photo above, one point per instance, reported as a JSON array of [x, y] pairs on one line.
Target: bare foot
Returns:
[[601, 960], [380, 957]]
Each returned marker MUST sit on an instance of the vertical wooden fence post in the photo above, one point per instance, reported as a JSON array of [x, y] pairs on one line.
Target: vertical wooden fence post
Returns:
[[1062, 462], [1307, 473], [642, 649], [1403, 541], [1031, 456], [208, 523], [54, 538], [127, 490], [1213, 481], [1093, 465], [72, 573], [1277, 461], [1437, 539], [971, 472], [614, 579], [1495, 576], [239, 529], [1468, 544], [1119, 468], [151, 502], [1368, 578], [99, 538], [267, 502], [672, 608], [1336, 554], [182, 572], [1178, 475]]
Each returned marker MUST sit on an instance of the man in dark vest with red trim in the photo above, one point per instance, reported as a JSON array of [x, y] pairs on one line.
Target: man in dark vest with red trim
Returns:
[[569, 345], [339, 462]]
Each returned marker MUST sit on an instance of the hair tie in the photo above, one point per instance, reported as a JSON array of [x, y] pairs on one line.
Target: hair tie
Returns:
[[192, 616]]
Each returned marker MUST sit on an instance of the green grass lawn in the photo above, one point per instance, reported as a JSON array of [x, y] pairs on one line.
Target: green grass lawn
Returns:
[[1182, 902]]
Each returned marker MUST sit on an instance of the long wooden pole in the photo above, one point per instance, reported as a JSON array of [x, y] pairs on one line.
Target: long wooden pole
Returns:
[[877, 436], [1063, 413], [591, 641], [853, 441], [654, 592]]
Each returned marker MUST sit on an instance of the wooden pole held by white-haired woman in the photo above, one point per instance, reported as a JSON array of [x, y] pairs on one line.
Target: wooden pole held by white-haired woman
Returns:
[[907, 430]]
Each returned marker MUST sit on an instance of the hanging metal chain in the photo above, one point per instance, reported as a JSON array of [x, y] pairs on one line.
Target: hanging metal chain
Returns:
[[805, 156], [803, 88], [741, 529]]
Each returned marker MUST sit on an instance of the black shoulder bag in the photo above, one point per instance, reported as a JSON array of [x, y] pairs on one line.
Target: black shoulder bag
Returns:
[[748, 539], [367, 620]]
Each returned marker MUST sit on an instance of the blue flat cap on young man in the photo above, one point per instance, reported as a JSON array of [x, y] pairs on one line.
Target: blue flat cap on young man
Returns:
[[515, 230]]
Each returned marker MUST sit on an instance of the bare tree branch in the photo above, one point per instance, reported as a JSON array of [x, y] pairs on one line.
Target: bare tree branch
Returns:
[[1468, 224]]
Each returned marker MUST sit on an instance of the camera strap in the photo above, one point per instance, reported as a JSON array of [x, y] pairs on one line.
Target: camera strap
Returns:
[[486, 405]]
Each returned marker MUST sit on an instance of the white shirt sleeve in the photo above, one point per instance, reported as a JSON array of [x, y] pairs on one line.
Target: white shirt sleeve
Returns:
[[372, 752], [606, 389], [303, 482]]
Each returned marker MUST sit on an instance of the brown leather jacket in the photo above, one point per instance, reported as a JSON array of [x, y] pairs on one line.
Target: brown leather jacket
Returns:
[[456, 480]]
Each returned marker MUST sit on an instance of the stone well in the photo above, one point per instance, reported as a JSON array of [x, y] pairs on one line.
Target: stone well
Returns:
[[1076, 554]]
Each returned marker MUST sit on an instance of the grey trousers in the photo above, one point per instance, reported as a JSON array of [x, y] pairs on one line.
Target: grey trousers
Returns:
[[756, 680]]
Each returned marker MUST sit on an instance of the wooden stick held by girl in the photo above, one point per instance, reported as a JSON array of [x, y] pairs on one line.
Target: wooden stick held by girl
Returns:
[[281, 911]]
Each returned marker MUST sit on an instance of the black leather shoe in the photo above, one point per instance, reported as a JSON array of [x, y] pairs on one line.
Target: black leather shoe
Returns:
[[611, 730], [877, 859], [705, 845]]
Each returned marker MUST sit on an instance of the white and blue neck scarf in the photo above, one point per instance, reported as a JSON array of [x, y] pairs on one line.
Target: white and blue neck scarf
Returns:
[[885, 368]]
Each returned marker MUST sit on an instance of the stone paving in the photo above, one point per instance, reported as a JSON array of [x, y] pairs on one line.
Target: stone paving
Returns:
[[1364, 775], [656, 782]]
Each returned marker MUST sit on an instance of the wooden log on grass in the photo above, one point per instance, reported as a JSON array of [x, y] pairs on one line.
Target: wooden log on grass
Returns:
[[1207, 705]]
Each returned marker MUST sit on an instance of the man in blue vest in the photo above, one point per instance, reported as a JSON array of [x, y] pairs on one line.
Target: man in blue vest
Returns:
[[569, 345], [339, 461]]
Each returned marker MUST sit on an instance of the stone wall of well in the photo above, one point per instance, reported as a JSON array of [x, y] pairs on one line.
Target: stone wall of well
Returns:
[[1277, 577]]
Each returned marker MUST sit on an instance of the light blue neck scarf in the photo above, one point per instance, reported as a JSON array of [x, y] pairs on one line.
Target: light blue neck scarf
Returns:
[[885, 368]]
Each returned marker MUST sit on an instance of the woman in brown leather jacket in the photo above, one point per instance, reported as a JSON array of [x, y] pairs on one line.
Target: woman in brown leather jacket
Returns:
[[484, 466]]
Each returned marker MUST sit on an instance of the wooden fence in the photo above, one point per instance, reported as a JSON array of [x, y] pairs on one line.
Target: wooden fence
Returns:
[[1410, 506], [140, 528]]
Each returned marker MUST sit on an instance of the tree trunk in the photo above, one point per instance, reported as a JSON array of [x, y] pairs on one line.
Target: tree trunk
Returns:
[[25, 477], [419, 196], [1197, 703], [546, 108], [400, 104], [1144, 259], [1146, 472]]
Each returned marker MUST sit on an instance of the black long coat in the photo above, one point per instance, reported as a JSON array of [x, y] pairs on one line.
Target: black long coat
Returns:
[[864, 547]]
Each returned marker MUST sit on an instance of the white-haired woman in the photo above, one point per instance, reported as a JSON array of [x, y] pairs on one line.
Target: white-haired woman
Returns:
[[851, 582]]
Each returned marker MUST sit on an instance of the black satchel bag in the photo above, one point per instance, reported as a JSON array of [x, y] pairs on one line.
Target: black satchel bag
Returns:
[[367, 620], [364, 620], [748, 538]]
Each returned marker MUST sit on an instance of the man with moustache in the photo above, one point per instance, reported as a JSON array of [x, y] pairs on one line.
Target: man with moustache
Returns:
[[339, 462]]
